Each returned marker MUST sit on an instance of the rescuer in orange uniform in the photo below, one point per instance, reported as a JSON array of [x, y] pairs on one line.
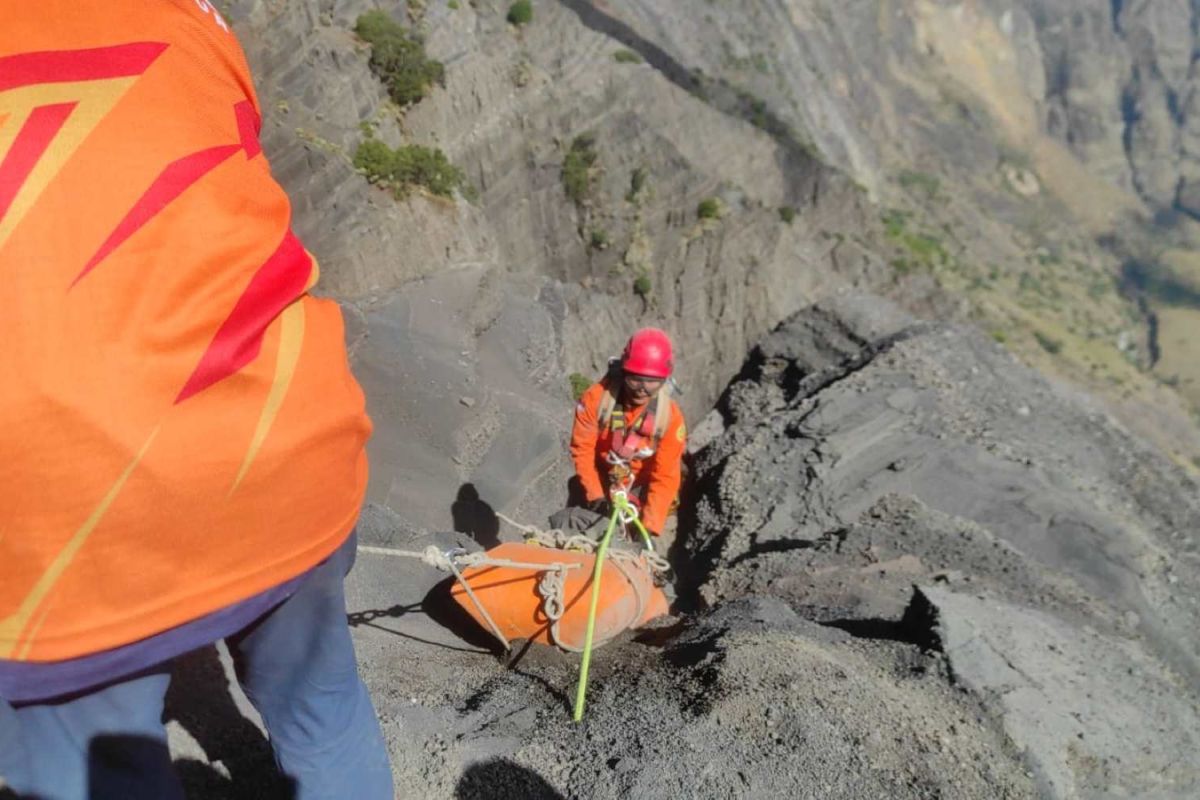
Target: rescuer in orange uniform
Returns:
[[182, 457], [629, 435]]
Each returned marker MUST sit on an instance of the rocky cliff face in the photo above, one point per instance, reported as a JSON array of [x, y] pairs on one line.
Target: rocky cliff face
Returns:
[[1113, 81], [993, 167], [1012, 147], [862, 452], [912, 568], [523, 252]]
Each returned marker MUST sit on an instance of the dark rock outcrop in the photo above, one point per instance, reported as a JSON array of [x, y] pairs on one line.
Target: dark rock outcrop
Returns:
[[864, 452]]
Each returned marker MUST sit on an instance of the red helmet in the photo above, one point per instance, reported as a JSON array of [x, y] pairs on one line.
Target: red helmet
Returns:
[[648, 352]]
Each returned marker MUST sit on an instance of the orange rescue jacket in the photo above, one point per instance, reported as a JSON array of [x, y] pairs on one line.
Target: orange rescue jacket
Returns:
[[659, 475], [179, 428]]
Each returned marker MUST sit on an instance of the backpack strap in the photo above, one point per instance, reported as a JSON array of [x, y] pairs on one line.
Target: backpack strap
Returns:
[[651, 427], [608, 401], [662, 417]]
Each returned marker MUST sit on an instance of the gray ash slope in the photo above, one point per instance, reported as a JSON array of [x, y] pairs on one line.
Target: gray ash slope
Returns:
[[864, 452], [1051, 649], [915, 569]]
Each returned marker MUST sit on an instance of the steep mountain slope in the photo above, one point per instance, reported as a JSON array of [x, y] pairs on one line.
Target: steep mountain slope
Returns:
[[1029, 156], [978, 203], [1002, 169], [513, 102], [863, 452]]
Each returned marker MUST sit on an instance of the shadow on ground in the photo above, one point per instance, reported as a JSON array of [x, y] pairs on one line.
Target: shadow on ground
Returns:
[[501, 778], [236, 762]]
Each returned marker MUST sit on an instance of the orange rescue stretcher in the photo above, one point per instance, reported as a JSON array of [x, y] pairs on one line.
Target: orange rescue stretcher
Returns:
[[543, 593], [554, 588]]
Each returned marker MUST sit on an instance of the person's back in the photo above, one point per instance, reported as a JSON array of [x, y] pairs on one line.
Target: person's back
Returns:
[[175, 404], [182, 433]]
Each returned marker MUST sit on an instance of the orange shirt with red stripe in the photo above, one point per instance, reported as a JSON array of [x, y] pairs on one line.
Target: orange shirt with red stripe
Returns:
[[659, 475], [181, 430]]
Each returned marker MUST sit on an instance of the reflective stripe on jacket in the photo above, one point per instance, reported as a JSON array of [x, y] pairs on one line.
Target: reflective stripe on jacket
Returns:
[[180, 429]]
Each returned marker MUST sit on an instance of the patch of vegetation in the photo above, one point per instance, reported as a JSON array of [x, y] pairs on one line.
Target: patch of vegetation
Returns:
[[521, 73], [626, 56], [920, 183], [709, 208], [408, 166], [894, 223], [598, 239], [452, 5], [398, 58], [316, 141], [757, 108], [637, 182], [520, 13], [577, 168], [1000, 336], [787, 214], [1047, 258], [642, 286], [1049, 343], [1099, 287], [922, 250], [580, 383]]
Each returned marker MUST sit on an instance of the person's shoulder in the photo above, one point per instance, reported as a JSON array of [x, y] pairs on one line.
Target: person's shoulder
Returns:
[[676, 412], [592, 396], [678, 425]]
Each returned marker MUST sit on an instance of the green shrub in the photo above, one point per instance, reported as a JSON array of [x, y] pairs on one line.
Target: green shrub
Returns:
[[924, 251], [452, 5], [374, 158], [580, 383], [999, 336], [624, 56], [408, 166], [1099, 286], [709, 208], [758, 114], [787, 214], [920, 182], [398, 58], [894, 222], [642, 286], [637, 181], [520, 12], [1049, 344], [598, 239], [577, 168]]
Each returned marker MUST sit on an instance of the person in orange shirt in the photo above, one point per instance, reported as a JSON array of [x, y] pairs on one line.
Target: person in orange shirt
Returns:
[[183, 456], [629, 436]]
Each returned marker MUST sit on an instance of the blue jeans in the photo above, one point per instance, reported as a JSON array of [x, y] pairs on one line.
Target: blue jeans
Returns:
[[296, 664]]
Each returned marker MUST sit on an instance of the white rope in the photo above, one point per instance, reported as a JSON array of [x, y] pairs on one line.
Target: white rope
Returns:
[[434, 557], [578, 541], [515, 524], [470, 593], [552, 584]]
